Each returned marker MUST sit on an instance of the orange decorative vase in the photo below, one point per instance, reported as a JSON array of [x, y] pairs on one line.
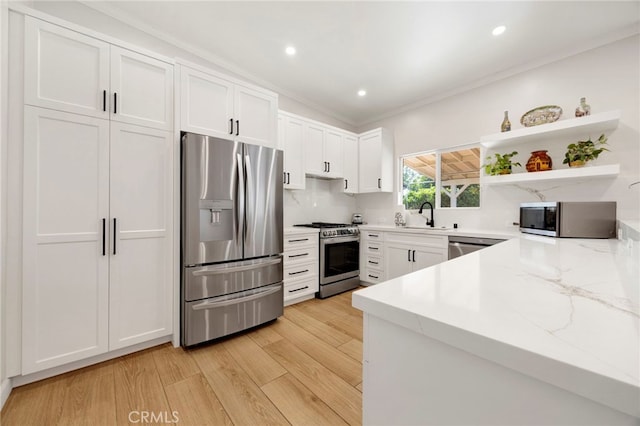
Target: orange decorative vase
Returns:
[[539, 161]]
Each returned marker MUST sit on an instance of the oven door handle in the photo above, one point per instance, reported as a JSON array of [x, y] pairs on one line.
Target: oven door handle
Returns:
[[336, 240]]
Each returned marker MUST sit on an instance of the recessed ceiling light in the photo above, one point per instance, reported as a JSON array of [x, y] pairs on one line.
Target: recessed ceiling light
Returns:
[[362, 92], [498, 30], [290, 50]]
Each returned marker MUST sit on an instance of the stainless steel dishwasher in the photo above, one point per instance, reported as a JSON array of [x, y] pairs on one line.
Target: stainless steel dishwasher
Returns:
[[459, 246]]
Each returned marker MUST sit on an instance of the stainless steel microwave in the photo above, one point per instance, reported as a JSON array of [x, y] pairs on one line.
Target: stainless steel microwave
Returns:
[[593, 219]]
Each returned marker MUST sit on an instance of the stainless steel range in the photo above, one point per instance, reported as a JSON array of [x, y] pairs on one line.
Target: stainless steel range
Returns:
[[339, 257]]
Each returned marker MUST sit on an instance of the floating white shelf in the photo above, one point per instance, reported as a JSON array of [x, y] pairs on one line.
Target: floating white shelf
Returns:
[[610, 170], [580, 127]]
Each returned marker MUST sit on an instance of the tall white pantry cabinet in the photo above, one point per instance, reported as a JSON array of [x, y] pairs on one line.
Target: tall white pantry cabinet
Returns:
[[97, 205]]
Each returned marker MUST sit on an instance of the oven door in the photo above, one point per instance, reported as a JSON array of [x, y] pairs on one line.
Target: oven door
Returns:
[[339, 259]]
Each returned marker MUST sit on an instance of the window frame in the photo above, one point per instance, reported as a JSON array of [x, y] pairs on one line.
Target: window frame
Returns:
[[438, 194]]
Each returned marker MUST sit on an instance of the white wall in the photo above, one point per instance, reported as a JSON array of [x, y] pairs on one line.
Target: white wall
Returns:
[[606, 76]]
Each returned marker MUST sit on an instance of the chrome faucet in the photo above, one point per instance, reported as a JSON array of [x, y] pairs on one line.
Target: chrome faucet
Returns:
[[429, 222]]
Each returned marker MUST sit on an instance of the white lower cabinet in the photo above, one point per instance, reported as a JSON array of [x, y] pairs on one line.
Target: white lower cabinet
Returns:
[[65, 292], [140, 290], [301, 279], [387, 255], [97, 246], [406, 253], [372, 265]]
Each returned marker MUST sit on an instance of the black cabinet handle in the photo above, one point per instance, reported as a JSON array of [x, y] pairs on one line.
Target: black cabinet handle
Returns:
[[373, 276], [298, 289], [329, 167], [231, 127], [104, 236], [297, 241], [104, 100], [237, 127], [408, 255], [114, 235], [288, 178], [414, 256], [298, 255], [373, 235], [373, 248], [379, 183], [372, 262], [115, 103], [298, 272], [346, 183]]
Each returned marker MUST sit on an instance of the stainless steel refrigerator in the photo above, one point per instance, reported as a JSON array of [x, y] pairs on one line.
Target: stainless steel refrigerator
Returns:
[[231, 237]]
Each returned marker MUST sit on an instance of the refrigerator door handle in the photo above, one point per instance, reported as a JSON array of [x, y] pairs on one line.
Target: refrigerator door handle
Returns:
[[249, 200], [240, 196], [236, 300], [213, 270]]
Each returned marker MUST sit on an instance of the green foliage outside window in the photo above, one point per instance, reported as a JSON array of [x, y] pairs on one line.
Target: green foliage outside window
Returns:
[[417, 188]]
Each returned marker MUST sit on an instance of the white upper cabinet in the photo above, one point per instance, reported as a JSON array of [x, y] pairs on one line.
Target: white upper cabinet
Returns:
[[314, 161], [142, 89], [323, 151], [350, 164], [291, 133], [69, 71], [334, 152], [65, 70], [206, 103], [376, 161], [255, 115], [215, 106]]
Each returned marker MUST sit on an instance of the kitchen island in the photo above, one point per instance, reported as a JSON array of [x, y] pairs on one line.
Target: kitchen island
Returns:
[[534, 330]]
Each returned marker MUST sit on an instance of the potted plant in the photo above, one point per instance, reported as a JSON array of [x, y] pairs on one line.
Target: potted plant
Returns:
[[581, 152], [501, 165]]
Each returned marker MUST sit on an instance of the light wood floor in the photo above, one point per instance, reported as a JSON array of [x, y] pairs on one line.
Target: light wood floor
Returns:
[[305, 368]]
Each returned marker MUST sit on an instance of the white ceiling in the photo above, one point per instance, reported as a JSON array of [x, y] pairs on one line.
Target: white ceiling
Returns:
[[402, 53]]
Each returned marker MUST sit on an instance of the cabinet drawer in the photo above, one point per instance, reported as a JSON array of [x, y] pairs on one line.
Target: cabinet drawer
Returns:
[[372, 248], [300, 271], [373, 275], [292, 242], [373, 262], [371, 236], [298, 255], [424, 240], [300, 288]]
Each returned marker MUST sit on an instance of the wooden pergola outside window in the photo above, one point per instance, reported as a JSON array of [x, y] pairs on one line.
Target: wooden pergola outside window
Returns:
[[459, 170]]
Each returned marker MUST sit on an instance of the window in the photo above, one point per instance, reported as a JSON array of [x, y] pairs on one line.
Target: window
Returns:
[[443, 178]]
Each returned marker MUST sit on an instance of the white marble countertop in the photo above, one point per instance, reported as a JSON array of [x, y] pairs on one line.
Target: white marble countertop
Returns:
[[466, 232], [564, 311]]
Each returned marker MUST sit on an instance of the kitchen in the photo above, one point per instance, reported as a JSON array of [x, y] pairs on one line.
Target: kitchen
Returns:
[[605, 72]]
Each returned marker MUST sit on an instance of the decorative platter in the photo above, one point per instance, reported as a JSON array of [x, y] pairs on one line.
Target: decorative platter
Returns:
[[541, 115]]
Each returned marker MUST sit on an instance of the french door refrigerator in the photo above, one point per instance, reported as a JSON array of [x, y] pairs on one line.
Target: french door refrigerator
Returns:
[[231, 237]]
